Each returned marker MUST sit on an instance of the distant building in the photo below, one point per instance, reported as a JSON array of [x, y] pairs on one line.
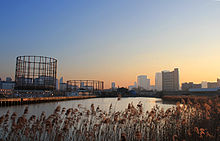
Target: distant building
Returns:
[[61, 80], [170, 80], [190, 85], [8, 79], [212, 85], [0, 83], [73, 87], [205, 90], [204, 84], [132, 86], [113, 85], [63, 86], [57, 84], [143, 82], [158, 81], [135, 84], [81, 84], [8, 85], [218, 82], [148, 84]]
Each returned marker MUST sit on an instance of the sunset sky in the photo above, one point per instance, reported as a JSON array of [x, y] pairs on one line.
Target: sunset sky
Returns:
[[114, 40]]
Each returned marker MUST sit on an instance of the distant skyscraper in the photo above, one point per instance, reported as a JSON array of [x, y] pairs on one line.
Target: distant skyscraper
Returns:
[[204, 84], [170, 80], [158, 81], [143, 82]]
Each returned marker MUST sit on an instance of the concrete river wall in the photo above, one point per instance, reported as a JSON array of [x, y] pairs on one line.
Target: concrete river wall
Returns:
[[20, 101]]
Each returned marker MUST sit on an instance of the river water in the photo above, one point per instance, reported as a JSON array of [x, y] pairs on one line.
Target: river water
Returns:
[[103, 103]]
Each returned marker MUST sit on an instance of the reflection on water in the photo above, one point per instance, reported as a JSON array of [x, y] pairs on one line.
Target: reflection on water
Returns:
[[103, 103]]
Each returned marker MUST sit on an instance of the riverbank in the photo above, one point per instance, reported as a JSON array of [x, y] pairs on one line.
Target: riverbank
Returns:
[[192, 98], [20, 101]]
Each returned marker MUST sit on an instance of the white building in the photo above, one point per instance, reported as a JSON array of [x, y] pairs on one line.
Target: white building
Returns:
[[204, 84], [158, 81], [143, 82]]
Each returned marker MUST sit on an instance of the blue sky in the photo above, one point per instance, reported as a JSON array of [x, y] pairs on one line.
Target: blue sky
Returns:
[[113, 40]]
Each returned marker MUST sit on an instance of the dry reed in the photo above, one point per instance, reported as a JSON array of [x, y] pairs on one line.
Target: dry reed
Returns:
[[185, 121]]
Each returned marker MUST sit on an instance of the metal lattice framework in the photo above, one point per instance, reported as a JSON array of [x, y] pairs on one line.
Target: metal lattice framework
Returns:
[[87, 85], [35, 73]]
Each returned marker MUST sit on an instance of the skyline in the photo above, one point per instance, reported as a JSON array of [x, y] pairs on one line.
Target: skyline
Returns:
[[138, 78], [114, 41]]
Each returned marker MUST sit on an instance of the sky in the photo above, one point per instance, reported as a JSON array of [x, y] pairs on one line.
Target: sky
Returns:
[[114, 40]]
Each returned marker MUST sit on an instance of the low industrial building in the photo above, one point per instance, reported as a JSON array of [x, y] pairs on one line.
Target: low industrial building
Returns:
[[190, 85], [205, 91]]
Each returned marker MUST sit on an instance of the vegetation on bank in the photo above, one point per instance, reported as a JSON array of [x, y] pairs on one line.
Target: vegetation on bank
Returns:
[[186, 98], [197, 120]]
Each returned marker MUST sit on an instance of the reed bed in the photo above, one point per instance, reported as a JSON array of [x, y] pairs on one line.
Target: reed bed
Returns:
[[185, 121]]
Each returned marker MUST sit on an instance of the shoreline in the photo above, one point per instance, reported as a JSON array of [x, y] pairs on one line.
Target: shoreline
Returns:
[[167, 98], [21, 101], [191, 98]]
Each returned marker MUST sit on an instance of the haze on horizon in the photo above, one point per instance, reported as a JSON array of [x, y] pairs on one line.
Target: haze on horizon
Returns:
[[114, 40]]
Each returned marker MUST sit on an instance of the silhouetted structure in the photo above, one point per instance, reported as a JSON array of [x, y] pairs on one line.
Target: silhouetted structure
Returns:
[[90, 86], [190, 85], [122, 90], [35, 73]]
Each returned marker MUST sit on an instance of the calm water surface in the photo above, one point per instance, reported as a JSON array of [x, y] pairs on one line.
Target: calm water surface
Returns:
[[103, 103]]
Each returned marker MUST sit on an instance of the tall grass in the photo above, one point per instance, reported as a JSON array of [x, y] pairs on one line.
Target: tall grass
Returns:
[[186, 121]]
